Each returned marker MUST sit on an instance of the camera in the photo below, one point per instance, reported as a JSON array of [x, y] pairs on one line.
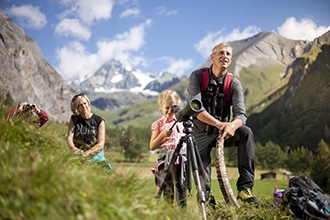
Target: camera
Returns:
[[30, 106], [193, 107]]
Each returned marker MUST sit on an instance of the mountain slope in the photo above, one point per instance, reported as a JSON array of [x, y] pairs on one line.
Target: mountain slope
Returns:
[[260, 62], [26, 76], [300, 117]]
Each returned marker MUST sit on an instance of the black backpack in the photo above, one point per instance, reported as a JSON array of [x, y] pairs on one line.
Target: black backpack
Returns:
[[306, 200]]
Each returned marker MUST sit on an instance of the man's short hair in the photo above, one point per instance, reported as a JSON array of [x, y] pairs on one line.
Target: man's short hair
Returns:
[[220, 45]]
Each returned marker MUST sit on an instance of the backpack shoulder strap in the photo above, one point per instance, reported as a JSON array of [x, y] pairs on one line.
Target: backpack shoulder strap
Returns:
[[205, 80], [226, 87]]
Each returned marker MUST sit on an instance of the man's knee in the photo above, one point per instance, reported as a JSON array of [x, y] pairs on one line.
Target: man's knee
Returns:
[[245, 131]]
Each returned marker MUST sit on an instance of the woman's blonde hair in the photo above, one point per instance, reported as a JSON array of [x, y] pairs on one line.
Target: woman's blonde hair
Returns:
[[168, 97], [75, 101]]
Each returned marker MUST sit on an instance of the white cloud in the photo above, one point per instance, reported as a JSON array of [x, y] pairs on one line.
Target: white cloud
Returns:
[[303, 29], [125, 43], [80, 15], [205, 45], [75, 61], [132, 12], [72, 27], [88, 11], [179, 66], [162, 10], [28, 16]]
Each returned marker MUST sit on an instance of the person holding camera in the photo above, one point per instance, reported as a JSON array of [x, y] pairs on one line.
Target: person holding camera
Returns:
[[166, 137], [27, 112], [215, 117], [86, 132]]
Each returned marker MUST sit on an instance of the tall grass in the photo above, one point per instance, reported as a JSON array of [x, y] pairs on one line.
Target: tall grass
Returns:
[[41, 179]]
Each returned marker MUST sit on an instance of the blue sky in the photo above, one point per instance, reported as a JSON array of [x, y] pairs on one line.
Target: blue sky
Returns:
[[77, 36]]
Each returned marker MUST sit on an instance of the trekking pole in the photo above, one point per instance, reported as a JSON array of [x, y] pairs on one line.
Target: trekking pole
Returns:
[[222, 175]]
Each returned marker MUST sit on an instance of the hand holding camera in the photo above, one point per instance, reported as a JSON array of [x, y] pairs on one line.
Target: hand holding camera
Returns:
[[29, 107]]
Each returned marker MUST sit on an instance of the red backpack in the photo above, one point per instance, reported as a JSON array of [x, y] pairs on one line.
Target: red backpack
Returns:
[[226, 87]]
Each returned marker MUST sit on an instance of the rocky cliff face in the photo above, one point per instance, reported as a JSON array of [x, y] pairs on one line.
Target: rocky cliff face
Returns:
[[265, 49], [300, 116], [269, 49], [27, 76]]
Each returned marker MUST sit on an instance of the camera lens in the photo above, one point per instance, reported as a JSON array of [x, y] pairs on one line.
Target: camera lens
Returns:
[[30, 106]]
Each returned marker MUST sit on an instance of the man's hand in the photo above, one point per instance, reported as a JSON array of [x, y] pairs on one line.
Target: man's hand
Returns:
[[229, 128], [228, 131], [221, 125]]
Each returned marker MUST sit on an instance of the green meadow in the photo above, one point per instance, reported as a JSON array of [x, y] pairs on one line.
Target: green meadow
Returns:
[[41, 179]]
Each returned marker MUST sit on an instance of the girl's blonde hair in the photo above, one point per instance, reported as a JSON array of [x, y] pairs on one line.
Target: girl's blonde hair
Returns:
[[168, 97], [75, 101]]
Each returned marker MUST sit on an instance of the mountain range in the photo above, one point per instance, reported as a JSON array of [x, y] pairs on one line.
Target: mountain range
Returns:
[[117, 84], [285, 82]]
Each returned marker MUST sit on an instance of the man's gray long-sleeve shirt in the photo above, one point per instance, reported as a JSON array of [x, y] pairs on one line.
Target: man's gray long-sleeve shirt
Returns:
[[237, 97]]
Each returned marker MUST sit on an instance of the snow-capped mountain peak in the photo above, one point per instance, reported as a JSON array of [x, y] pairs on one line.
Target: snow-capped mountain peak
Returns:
[[119, 76]]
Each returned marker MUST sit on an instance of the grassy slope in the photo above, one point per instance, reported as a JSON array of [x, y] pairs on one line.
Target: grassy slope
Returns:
[[299, 117], [259, 82], [41, 179]]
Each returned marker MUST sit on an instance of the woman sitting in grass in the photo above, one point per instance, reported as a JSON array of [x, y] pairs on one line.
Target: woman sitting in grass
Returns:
[[86, 133]]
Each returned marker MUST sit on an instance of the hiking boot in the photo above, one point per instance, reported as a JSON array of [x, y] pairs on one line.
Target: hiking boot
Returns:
[[246, 195]]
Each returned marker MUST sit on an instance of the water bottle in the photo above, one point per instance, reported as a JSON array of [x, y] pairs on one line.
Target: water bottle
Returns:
[[278, 197]]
